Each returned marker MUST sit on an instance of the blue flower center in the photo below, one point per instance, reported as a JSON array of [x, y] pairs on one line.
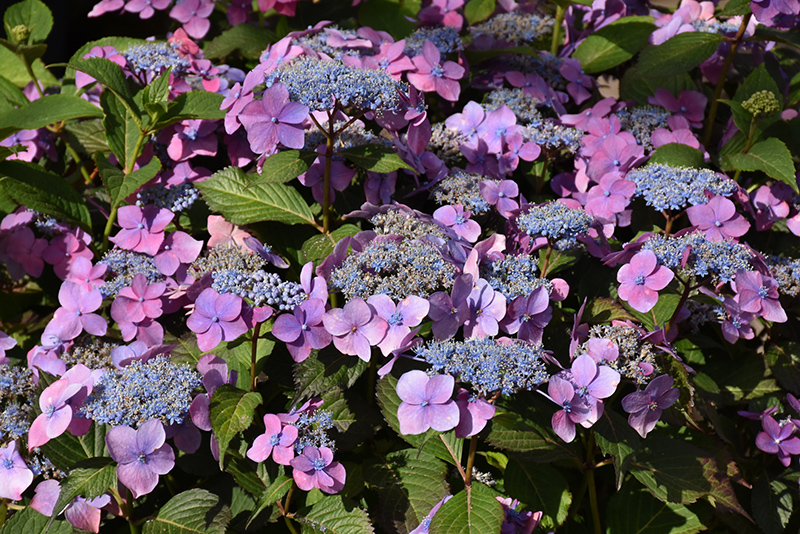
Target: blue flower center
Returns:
[[319, 464], [639, 280], [142, 458], [763, 291], [8, 463], [274, 439], [395, 319], [437, 71]]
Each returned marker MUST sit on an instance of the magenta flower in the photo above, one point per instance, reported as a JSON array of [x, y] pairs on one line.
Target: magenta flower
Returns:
[[274, 120], [486, 307], [75, 314], [426, 403], [718, 219], [139, 301], [500, 195], [355, 328], [469, 121], [178, 248], [86, 275], [602, 350], [615, 155], [80, 513], [611, 196], [499, 124], [302, 329], [737, 323], [56, 414], [146, 8], [456, 218], [757, 293], [431, 75], [573, 410], [580, 85], [15, 477], [400, 318], [474, 413], [63, 251], [191, 138], [645, 407], [141, 454], [593, 383], [315, 468], [777, 439], [142, 228], [527, 316], [449, 312], [194, 16], [277, 440], [216, 318], [688, 109], [641, 279]]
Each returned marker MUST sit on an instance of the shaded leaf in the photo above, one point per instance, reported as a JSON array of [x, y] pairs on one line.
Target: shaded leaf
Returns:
[[90, 134], [512, 433], [29, 521], [283, 167], [614, 44], [275, 492], [319, 247], [605, 310], [93, 478], [771, 157], [472, 510], [247, 39], [232, 411], [333, 514], [120, 185], [615, 437], [478, 10], [44, 111], [772, 505], [226, 192], [192, 105], [317, 374], [389, 15], [194, 511], [375, 158], [110, 75], [678, 155], [734, 7], [67, 450], [539, 487], [678, 55], [634, 511], [122, 130]]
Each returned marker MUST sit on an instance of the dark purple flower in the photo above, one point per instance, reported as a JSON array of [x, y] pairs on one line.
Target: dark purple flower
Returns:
[[688, 109], [487, 308], [426, 403], [573, 410], [274, 120], [449, 312], [302, 329], [777, 439], [277, 440], [641, 279], [216, 318], [355, 328], [527, 316], [315, 468], [645, 407], [141, 454], [737, 323], [474, 413]]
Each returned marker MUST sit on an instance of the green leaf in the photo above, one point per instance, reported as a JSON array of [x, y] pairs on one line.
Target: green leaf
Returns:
[[45, 192], [120, 185], [250, 476], [226, 192], [12, 93], [678, 55], [375, 158], [194, 511], [758, 80], [539, 487], [284, 166], [771, 157], [634, 86], [90, 134], [110, 75], [634, 511], [232, 411], [29, 521], [247, 39], [94, 477], [430, 442], [122, 131], [478, 10], [45, 111], [33, 14], [318, 374], [472, 510], [615, 437], [408, 486], [319, 247], [734, 7], [772, 505], [14, 69], [157, 91], [332, 514], [604, 310], [678, 155], [67, 450], [789, 37], [745, 380], [239, 355], [509, 432], [661, 312], [192, 105], [477, 56], [614, 44], [389, 15], [275, 492]]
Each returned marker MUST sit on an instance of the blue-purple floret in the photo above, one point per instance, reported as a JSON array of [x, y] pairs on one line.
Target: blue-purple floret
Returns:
[[720, 259], [560, 224], [674, 188]]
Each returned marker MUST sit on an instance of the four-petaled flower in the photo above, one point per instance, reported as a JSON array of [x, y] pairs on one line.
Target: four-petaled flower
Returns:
[[777, 438], [75, 313], [302, 329], [315, 468], [15, 476], [141, 454], [142, 228], [426, 403], [645, 407], [355, 328], [274, 120], [641, 279], [216, 318], [277, 440]]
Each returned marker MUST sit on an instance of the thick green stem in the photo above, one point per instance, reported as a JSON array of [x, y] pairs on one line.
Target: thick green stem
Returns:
[[254, 356], [473, 447], [726, 66], [751, 136], [137, 150], [556, 40]]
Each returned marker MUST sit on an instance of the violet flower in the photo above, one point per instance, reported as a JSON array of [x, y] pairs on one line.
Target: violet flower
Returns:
[[216, 318], [194, 16], [56, 414], [315, 468], [645, 407], [758, 293], [573, 410], [355, 328], [142, 228], [458, 220], [516, 522], [718, 219], [593, 383], [400, 318], [487, 307], [277, 440], [426, 403], [15, 477], [641, 279], [302, 329], [178, 248], [777, 439], [274, 120], [737, 323], [75, 313], [86, 275], [80, 513], [474, 413], [449, 312], [141, 454], [139, 301], [500, 195], [527, 316], [432, 75]]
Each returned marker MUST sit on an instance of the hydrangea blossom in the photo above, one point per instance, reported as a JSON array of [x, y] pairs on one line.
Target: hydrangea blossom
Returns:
[[426, 403], [141, 454]]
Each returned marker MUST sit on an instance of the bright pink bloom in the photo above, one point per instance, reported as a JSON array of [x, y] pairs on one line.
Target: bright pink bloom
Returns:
[[277, 440], [142, 228], [140, 300], [75, 313], [355, 328], [426, 403], [315, 468], [194, 16], [216, 318], [641, 279], [15, 477], [718, 219], [431, 75]]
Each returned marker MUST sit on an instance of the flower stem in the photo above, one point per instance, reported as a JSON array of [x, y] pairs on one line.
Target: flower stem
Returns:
[[372, 372], [457, 461], [112, 216], [3, 511], [473, 447], [591, 484], [546, 264], [254, 356], [556, 40], [326, 183], [751, 135], [726, 66]]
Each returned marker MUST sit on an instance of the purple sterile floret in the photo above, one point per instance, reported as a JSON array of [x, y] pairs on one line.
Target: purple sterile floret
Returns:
[[426, 403], [274, 120], [573, 409], [302, 329], [355, 328], [15, 476], [277, 440], [645, 407], [141, 454], [315, 468], [75, 314], [641, 279], [216, 318], [777, 438]]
